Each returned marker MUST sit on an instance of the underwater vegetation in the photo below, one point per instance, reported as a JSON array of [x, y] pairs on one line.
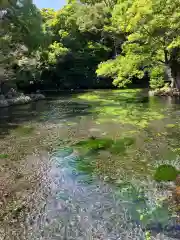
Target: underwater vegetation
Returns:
[[3, 156], [24, 130], [124, 106], [142, 209], [117, 146], [62, 152], [166, 173]]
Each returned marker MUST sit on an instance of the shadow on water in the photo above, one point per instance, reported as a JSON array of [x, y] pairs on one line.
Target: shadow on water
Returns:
[[52, 111]]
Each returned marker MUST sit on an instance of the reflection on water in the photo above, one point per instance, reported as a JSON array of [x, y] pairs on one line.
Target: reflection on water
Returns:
[[52, 111], [97, 183]]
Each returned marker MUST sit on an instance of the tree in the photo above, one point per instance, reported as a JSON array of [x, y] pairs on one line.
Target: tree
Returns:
[[76, 32], [109, 3], [152, 45], [21, 34]]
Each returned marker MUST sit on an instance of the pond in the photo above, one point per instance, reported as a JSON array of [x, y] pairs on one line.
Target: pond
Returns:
[[84, 166]]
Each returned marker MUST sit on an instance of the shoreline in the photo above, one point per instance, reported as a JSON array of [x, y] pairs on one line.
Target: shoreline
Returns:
[[165, 92], [20, 100]]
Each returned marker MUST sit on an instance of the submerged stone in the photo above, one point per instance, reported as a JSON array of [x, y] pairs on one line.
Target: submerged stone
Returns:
[[19, 100], [4, 103]]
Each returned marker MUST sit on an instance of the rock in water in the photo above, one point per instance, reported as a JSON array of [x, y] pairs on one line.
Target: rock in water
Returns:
[[2, 97], [37, 96], [4, 103], [19, 100]]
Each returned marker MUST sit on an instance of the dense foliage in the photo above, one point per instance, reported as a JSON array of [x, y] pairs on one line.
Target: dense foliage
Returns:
[[152, 42], [91, 43]]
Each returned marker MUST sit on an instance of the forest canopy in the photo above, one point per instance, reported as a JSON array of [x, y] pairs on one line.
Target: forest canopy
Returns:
[[90, 44]]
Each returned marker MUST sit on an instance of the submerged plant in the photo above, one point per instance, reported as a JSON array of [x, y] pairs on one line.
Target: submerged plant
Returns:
[[63, 152], [95, 144], [85, 164], [140, 208], [117, 146], [124, 106], [24, 130], [3, 156], [166, 173]]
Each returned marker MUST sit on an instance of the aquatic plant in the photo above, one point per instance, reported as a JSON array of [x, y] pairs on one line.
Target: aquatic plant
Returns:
[[3, 156], [24, 130], [129, 208], [170, 125], [85, 165], [147, 209], [62, 152], [95, 144], [117, 146], [166, 173], [125, 106]]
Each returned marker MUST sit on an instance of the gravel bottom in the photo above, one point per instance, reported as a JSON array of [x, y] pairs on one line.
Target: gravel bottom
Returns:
[[72, 208]]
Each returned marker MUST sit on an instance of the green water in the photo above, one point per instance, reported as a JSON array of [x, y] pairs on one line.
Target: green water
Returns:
[[112, 141]]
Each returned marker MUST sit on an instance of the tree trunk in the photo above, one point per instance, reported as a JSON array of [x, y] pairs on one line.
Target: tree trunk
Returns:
[[175, 68], [170, 76], [176, 76], [178, 80], [173, 75]]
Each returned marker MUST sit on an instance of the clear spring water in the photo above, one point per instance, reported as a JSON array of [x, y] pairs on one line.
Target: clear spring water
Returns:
[[68, 203]]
